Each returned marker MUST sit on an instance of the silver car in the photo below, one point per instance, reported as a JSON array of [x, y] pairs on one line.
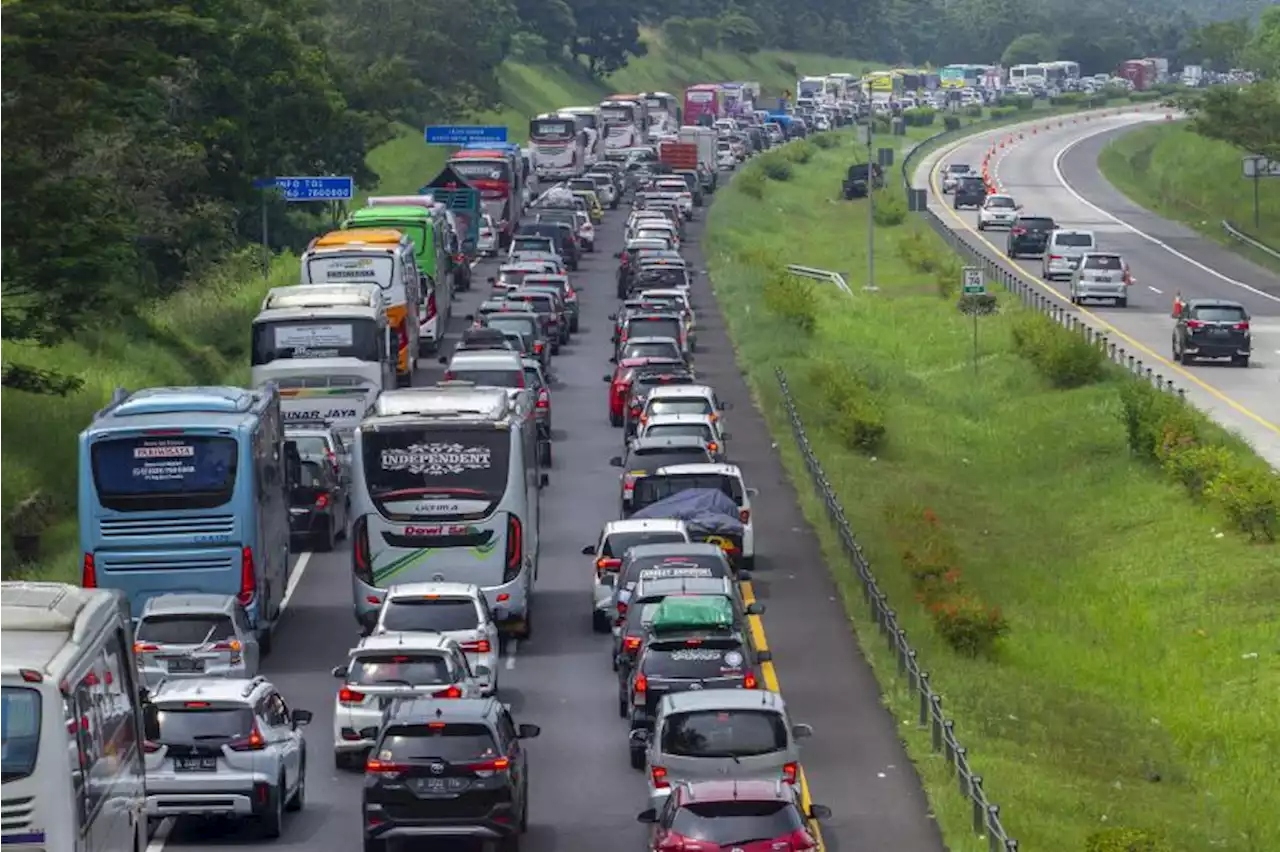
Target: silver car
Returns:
[[1063, 251], [194, 636], [457, 611], [1101, 275], [724, 734], [487, 243], [224, 747], [952, 175]]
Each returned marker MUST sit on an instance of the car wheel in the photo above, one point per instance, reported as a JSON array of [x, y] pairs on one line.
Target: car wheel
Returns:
[[573, 325], [622, 703], [345, 761], [544, 453], [637, 758], [271, 819], [524, 810], [1122, 303], [1185, 359], [615, 420], [510, 843], [1240, 360], [749, 563], [526, 626], [981, 227], [375, 845], [299, 798]]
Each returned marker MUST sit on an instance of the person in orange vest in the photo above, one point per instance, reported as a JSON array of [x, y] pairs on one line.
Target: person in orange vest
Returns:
[[1177, 304]]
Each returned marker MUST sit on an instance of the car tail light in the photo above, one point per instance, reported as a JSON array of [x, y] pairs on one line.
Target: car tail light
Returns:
[[744, 515], [486, 768], [632, 644], [451, 692], [233, 645], [641, 684], [431, 306], [322, 501], [1017, 232], [625, 257], [333, 461], [384, 767], [349, 696], [790, 772], [1194, 324], [801, 840], [144, 647], [622, 609], [361, 561], [479, 647], [1241, 326], [89, 573], [515, 549], [248, 577], [750, 682], [253, 742], [544, 399], [1056, 257], [659, 776], [537, 347], [713, 447], [606, 563], [459, 259], [150, 747]]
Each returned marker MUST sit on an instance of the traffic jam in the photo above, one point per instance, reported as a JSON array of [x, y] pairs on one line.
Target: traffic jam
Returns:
[[425, 437]]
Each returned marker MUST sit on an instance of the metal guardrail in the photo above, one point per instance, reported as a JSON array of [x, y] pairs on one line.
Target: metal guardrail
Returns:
[[1237, 234], [820, 275], [986, 816], [1028, 291]]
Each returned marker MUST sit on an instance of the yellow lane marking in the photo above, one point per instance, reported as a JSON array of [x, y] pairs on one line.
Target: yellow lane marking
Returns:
[[770, 675], [1046, 286]]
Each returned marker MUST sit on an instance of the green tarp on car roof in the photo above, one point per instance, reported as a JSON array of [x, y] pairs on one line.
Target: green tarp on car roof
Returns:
[[693, 612]]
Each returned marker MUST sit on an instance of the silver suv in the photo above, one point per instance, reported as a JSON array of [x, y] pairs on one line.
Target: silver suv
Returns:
[[194, 636], [224, 746], [1063, 251]]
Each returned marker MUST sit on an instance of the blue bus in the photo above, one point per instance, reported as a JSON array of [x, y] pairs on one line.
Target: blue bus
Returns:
[[186, 490]]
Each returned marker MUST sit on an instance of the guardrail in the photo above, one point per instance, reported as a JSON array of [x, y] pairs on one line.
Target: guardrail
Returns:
[[1029, 292], [820, 275], [986, 816], [1237, 234]]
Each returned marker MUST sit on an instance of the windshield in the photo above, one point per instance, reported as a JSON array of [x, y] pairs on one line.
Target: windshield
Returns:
[[724, 733], [1103, 261], [1073, 240], [186, 725], [651, 489], [681, 405], [414, 462], [532, 303], [686, 430], [617, 114], [699, 660], [407, 669], [654, 327], [352, 268], [289, 339], [430, 613], [179, 472], [20, 726], [310, 447], [473, 170], [1036, 224], [727, 823], [491, 378], [655, 457], [551, 130], [451, 742], [1219, 313], [185, 629], [618, 543], [656, 349], [1000, 201]]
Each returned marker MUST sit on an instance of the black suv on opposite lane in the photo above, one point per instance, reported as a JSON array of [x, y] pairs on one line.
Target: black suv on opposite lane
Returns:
[[1212, 328], [1029, 235]]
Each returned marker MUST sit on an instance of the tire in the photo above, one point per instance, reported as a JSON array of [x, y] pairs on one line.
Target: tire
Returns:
[[555, 347], [510, 843], [346, 761], [524, 810], [544, 453], [1013, 255], [265, 639], [271, 820], [981, 227], [573, 325], [375, 845], [637, 758], [324, 540], [615, 420], [622, 707], [1185, 359], [526, 627], [1240, 361], [426, 348], [299, 798], [1122, 303], [599, 622], [748, 563]]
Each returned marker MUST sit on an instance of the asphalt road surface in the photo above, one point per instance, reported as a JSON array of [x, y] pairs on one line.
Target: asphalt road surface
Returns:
[[584, 796], [1054, 172]]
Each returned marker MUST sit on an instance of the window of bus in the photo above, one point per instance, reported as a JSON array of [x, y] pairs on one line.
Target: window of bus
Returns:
[[551, 130], [19, 731], [164, 471], [101, 715], [406, 464], [617, 115], [482, 169], [292, 339]]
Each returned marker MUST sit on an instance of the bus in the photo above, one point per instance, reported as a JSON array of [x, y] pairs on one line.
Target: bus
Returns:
[[952, 77], [1062, 71], [624, 125], [701, 104], [560, 146], [497, 174], [1026, 75], [186, 490], [912, 79], [588, 118], [884, 85], [664, 111], [74, 776], [810, 87]]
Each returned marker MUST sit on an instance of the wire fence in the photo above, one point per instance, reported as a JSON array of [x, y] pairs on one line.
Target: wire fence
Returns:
[[985, 815]]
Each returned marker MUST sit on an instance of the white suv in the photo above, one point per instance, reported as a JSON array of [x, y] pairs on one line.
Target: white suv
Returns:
[[457, 611], [1063, 251]]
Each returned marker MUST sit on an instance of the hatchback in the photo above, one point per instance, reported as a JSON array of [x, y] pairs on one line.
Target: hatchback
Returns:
[[753, 816], [194, 635]]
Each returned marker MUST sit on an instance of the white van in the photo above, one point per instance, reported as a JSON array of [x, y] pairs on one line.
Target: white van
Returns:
[[328, 347], [73, 745]]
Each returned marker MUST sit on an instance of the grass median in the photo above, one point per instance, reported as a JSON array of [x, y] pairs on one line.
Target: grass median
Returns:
[[1117, 660]]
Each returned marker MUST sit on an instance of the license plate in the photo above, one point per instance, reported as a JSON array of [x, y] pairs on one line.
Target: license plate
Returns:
[[438, 786], [185, 664], [1218, 332], [195, 764]]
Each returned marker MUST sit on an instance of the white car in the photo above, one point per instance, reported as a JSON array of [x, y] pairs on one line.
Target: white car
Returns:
[[726, 159], [585, 230], [721, 477], [616, 538], [952, 175], [680, 297], [683, 399], [998, 211], [680, 190], [487, 243], [688, 426], [457, 611], [387, 666]]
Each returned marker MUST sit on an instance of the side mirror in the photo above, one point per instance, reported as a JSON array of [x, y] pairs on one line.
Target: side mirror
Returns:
[[470, 317], [819, 812], [443, 360], [753, 492], [616, 461], [764, 656], [608, 379], [755, 609], [483, 671], [801, 731], [528, 732], [613, 317], [613, 359], [744, 576], [340, 671], [301, 718], [725, 406], [544, 480], [650, 816], [588, 550]]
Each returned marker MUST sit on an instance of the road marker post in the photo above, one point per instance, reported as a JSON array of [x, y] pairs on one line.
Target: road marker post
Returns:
[[976, 302]]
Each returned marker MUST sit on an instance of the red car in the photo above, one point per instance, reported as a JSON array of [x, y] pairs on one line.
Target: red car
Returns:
[[713, 816], [620, 383]]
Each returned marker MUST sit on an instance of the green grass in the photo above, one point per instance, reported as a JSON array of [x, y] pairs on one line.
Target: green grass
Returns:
[[1173, 171], [1138, 684]]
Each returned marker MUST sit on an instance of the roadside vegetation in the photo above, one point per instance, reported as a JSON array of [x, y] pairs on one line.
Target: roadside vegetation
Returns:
[[1067, 551]]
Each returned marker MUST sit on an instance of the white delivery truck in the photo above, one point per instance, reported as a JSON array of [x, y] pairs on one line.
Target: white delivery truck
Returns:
[[705, 139]]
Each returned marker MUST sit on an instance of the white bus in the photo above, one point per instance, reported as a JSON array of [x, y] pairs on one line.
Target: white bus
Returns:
[[625, 125], [74, 778], [559, 144], [588, 118], [1027, 74]]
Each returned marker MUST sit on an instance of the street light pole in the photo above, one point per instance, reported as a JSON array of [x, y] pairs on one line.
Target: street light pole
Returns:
[[871, 193]]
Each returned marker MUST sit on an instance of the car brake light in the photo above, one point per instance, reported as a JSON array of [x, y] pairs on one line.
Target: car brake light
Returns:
[[750, 682], [641, 684], [629, 483], [712, 447], [144, 647], [479, 647], [544, 399], [349, 696], [451, 692], [486, 768], [150, 747], [449, 375], [744, 515], [1241, 326], [631, 644], [248, 577], [1194, 324], [606, 563], [1018, 231], [89, 573], [384, 767], [233, 645], [515, 548], [1055, 257], [322, 501], [789, 772], [622, 609], [253, 742], [361, 564], [537, 347], [659, 776], [431, 306]]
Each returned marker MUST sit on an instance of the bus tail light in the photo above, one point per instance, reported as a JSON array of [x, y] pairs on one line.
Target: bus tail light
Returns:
[[248, 577], [361, 564], [744, 515], [431, 306], [515, 549], [89, 573]]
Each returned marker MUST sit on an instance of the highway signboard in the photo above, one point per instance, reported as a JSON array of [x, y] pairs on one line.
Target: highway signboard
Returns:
[[464, 134], [973, 283], [1260, 167], [326, 188]]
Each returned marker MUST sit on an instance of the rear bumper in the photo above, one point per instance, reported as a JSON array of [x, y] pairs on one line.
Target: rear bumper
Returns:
[[1216, 349], [500, 822]]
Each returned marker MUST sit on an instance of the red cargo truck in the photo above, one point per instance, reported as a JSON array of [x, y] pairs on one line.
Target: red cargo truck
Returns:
[[1140, 72], [680, 156]]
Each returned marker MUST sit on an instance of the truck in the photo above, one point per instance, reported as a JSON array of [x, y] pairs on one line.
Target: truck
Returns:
[[462, 199], [680, 156], [701, 104], [1192, 75], [1162, 68], [1140, 72], [705, 140]]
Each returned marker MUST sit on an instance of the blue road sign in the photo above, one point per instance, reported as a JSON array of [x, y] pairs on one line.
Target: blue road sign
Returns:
[[311, 188], [463, 134]]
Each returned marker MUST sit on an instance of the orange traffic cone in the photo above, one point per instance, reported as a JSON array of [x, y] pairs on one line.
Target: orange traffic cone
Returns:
[[1177, 304]]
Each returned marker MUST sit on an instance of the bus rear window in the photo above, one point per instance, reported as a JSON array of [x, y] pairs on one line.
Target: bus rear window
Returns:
[[170, 472], [20, 724], [414, 463], [289, 340]]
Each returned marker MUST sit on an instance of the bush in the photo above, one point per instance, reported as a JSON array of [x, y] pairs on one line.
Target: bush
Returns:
[[1003, 111], [1125, 840], [1017, 102], [1144, 97], [880, 122], [825, 140], [1066, 359], [973, 110], [1143, 410], [918, 252], [792, 299], [951, 122], [1249, 495], [947, 274], [890, 209], [849, 406], [1196, 467], [918, 116], [968, 626], [751, 182], [1069, 99], [800, 152], [775, 166]]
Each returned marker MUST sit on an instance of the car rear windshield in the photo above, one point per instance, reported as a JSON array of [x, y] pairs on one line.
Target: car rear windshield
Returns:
[[724, 733], [1036, 224], [1218, 313], [19, 731], [412, 463], [1103, 261], [736, 822], [492, 378], [618, 543], [430, 613], [178, 472], [651, 489], [654, 327], [654, 457], [407, 669], [684, 430], [659, 349], [681, 405], [998, 201], [958, 169], [523, 325], [1075, 240], [193, 629], [450, 742], [186, 724], [700, 659], [537, 304]]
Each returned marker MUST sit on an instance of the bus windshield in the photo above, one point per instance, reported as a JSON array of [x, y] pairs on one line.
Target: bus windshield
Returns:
[[411, 462], [291, 339], [473, 170], [20, 723], [618, 114], [551, 130], [353, 267], [171, 472]]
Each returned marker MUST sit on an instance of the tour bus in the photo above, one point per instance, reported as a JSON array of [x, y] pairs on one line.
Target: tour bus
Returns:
[[810, 87], [1057, 73], [560, 146], [701, 105], [428, 230], [329, 349], [379, 256], [454, 225], [186, 490], [446, 486], [952, 77], [588, 118], [73, 746], [664, 111], [498, 174], [1027, 74], [625, 124], [885, 85]]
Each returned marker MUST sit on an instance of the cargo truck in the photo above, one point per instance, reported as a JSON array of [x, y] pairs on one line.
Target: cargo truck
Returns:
[[705, 140]]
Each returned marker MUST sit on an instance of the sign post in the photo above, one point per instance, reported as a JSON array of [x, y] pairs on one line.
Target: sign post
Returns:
[[465, 135], [1256, 168], [327, 188], [975, 302]]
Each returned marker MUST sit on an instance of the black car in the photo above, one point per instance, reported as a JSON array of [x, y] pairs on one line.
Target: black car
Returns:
[[447, 769], [1212, 328], [317, 505], [646, 455], [1029, 235], [970, 191], [536, 327], [855, 181], [561, 237]]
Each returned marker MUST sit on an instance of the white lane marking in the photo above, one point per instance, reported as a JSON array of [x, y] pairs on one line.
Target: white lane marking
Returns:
[[1154, 290], [295, 578], [162, 834], [513, 647], [1057, 173]]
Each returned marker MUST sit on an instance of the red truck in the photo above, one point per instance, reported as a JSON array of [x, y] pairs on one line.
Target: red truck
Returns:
[[680, 156], [1140, 72]]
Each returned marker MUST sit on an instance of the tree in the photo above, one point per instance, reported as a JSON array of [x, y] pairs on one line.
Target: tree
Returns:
[[1218, 44], [551, 19], [705, 32], [1262, 53], [1247, 117], [1027, 49], [679, 35], [608, 33], [739, 32]]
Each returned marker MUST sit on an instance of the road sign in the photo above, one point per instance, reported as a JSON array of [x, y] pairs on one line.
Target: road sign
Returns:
[[885, 157], [973, 283], [326, 188], [917, 200], [465, 134], [1260, 167]]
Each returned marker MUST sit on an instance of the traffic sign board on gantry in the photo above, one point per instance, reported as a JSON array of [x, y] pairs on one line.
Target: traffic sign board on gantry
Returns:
[[465, 134]]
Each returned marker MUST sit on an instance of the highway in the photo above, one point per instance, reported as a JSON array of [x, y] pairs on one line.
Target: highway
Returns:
[[1053, 172], [583, 794]]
